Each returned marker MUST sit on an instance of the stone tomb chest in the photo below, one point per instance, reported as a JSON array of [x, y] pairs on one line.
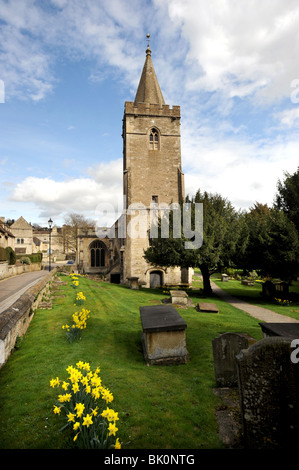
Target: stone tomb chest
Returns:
[[164, 335], [179, 297]]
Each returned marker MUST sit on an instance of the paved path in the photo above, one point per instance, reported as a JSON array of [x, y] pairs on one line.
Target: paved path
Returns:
[[260, 313], [13, 287]]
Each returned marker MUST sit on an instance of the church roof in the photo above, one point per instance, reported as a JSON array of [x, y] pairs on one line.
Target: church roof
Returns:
[[148, 89]]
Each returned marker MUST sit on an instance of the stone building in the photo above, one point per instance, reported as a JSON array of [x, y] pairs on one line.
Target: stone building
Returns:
[[152, 178], [6, 236], [23, 234]]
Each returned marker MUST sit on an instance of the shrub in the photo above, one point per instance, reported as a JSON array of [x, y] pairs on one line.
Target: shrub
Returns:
[[25, 260], [10, 255], [2, 254]]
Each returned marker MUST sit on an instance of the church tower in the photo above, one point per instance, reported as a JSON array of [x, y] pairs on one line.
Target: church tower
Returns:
[[152, 174]]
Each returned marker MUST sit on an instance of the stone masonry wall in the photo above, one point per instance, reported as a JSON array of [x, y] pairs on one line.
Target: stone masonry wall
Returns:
[[15, 320]]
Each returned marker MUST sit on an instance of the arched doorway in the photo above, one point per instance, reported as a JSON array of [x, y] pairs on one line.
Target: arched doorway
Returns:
[[97, 254], [155, 279]]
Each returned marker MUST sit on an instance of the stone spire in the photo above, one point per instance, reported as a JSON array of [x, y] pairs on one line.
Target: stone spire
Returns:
[[148, 89]]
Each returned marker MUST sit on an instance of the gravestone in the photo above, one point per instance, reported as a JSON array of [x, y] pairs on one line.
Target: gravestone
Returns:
[[269, 394], [268, 290], [164, 335], [224, 277], [207, 307], [225, 349], [247, 282], [288, 330], [179, 297], [133, 282], [282, 289]]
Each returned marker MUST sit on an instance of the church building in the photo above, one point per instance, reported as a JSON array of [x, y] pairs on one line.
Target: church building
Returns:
[[152, 179]]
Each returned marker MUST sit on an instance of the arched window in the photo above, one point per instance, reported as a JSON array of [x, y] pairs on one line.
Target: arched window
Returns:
[[154, 139], [97, 254]]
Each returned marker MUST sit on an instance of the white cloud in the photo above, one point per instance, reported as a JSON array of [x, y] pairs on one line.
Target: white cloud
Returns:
[[289, 117], [239, 170], [95, 197], [242, 48]]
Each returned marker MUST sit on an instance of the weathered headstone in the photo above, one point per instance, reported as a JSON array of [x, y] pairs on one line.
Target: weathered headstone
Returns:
[[207, 307], [225, 349], [247, 282], [133, 282], [269, 394], [224, 277], [164, 335], [179, 297]]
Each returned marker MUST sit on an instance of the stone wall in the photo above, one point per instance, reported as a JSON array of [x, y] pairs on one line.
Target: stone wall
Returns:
[[9, 271], [15, 320]]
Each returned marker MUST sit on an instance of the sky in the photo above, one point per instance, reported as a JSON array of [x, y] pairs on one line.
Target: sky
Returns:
[[68, 66]]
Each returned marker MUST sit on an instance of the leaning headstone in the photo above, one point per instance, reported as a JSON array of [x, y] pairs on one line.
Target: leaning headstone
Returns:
[[269, 394], [225, 349], [224, 277]]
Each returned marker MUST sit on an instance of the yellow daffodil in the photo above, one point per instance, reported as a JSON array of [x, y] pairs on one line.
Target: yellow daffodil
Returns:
[[112, 429], [71, 416], [65, 385], [64, 398], [95, 411], [87, 421], [54, 382], [75, 387], [57, 410], [80, 407], [76, 426], [117, 444]]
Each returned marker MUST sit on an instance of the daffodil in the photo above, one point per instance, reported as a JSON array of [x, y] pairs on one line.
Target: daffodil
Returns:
[[71, 416], [75, 387], [57, 410], [112, 429], [87, 421], [80, 407], [95, 411], [117, 444], [65, 385], [54, 382]]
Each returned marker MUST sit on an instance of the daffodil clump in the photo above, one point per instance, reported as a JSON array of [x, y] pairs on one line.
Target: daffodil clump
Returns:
[[80, 298], [75, 280], [84, 403], [283, 302], [73, 332]]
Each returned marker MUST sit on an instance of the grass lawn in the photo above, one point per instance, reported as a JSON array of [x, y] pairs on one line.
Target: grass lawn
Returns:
[[160, 407], [252, 294]]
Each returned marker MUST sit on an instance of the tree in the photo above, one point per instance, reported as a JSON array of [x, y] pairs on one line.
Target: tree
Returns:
[[221, 235], [287, 197], [272, 244], [69, 232]]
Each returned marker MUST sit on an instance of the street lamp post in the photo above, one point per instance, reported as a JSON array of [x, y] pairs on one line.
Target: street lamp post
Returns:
[[50, 222]]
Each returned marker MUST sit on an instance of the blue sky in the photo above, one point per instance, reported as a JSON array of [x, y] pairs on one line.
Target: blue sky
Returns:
[[68, 66]]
